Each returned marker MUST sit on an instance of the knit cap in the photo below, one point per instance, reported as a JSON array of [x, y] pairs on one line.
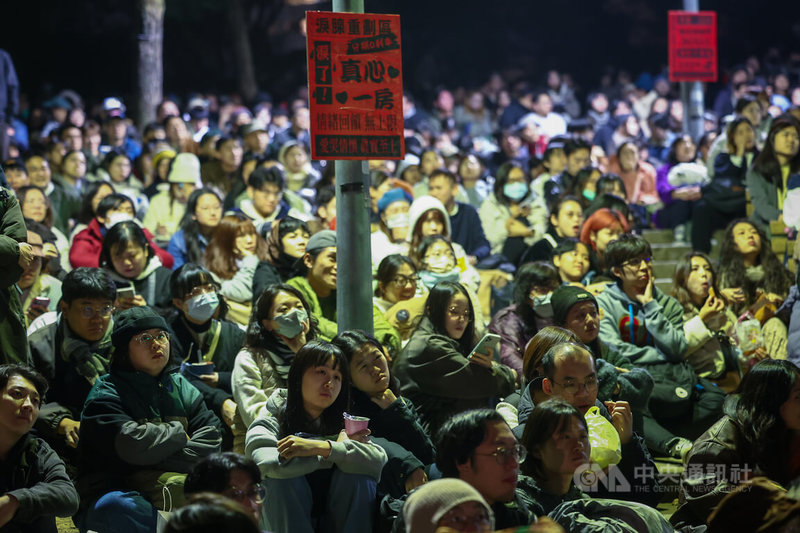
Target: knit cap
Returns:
[[428, 504], [564, 298]]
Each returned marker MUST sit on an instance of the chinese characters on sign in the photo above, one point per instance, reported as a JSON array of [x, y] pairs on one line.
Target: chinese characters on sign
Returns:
[[355, 86], [693, 46]]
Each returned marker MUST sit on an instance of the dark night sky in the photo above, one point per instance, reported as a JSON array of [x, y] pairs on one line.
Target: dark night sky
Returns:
[[90, 45]]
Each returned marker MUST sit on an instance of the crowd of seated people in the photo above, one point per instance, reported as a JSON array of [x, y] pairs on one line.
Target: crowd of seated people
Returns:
[[171, 346]]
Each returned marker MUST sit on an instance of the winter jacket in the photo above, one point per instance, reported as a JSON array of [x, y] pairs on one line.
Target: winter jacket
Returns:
[[13, 345], [133, 423], [790, 313], [607, 515], [87, 244], [152, 284], [494, 214], [218, 344], [239, 288], [652, 333], [384, 332], [541, 502], [164, 211], [716, 464], [763, 196], [468, 230], [441, 381], [514, 337], [705, 351], [178, 250], [70, 365], [349, 456], [267, 275], [35, 475]]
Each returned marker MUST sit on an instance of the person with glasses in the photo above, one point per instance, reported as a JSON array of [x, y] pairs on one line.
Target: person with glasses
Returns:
[[569, 373], [231, 475], [143, 429], [393, 420], [203, 338], [435, 367], [398, 293], [71, 349], [645, 325]]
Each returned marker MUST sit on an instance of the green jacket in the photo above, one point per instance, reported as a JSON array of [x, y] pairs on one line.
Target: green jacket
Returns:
[[327, 328], [441, 381], [13, 342], [133, 423]]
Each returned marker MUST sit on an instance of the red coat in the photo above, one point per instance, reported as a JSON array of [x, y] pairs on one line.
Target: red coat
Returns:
[[86, 246]]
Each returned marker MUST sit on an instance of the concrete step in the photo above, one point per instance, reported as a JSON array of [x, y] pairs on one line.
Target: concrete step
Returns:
[[669, 251], [664, 269], [665, 284], [654, 236]]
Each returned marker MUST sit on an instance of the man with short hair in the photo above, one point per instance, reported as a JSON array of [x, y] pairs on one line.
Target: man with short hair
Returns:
[[479, 448], [578, 153], [645, 325], [264, 203], [34, 484], [465, 224], [570, 374], [16, 174], [220, 173], [71, 349]]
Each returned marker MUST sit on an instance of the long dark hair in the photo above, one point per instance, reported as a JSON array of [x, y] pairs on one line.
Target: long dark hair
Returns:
[[436, 308], [191, 228], [545, 338], [682, 271], [546, 418], [353, 341], [766, 163], [672, 154], [502, 178], [294, 419], [91, 189], [755, 409], [733, 272], [119, 237]]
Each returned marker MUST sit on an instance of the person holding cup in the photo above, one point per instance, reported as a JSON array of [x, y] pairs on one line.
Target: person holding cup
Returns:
[[391, 417], [314, 472]]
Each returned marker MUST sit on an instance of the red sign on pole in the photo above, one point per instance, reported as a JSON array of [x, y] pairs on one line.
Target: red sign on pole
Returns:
[[693, 46], [355, 85]]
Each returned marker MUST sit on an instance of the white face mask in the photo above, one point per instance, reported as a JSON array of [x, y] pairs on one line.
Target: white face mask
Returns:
[[203, 306], [115, 218], [439, 263], [399, 220]]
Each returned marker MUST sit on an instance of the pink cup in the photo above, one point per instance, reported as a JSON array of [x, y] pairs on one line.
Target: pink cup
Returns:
[[354, 424]]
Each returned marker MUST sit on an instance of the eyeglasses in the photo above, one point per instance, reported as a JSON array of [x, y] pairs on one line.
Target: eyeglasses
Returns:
[[145, 338], [404, 281], [573, 387], [637, 261], [256, 493], [201, 289], [91, 312], [502, 454]]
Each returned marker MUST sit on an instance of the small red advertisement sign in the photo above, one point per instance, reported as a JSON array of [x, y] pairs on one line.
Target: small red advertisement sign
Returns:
[[355, 85], [693, 46]]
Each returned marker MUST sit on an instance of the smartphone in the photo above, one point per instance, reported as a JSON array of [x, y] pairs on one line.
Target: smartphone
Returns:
[[41, 301], [489, 341], [126, 292]]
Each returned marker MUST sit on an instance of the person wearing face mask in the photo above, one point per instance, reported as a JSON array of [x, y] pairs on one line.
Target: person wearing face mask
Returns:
[[437, 262], [531, 311], [513, 217], [280, 325], [112, 209], [202, 335], [393, 226]]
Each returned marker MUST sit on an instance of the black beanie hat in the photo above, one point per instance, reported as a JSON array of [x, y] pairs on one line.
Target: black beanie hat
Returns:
[[564, 298], [132, 321]]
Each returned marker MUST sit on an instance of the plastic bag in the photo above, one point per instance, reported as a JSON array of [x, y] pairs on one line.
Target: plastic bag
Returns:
[[606, 446], [749, 338]]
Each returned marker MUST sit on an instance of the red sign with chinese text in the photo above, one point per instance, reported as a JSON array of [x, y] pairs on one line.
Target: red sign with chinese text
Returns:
[[355, 85], [693, 46]]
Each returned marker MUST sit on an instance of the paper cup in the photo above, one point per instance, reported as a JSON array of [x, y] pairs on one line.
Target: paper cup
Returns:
[[354, 424]]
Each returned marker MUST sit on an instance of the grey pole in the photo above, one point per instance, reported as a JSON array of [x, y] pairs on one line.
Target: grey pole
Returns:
[[353, 256], [692, 94]]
